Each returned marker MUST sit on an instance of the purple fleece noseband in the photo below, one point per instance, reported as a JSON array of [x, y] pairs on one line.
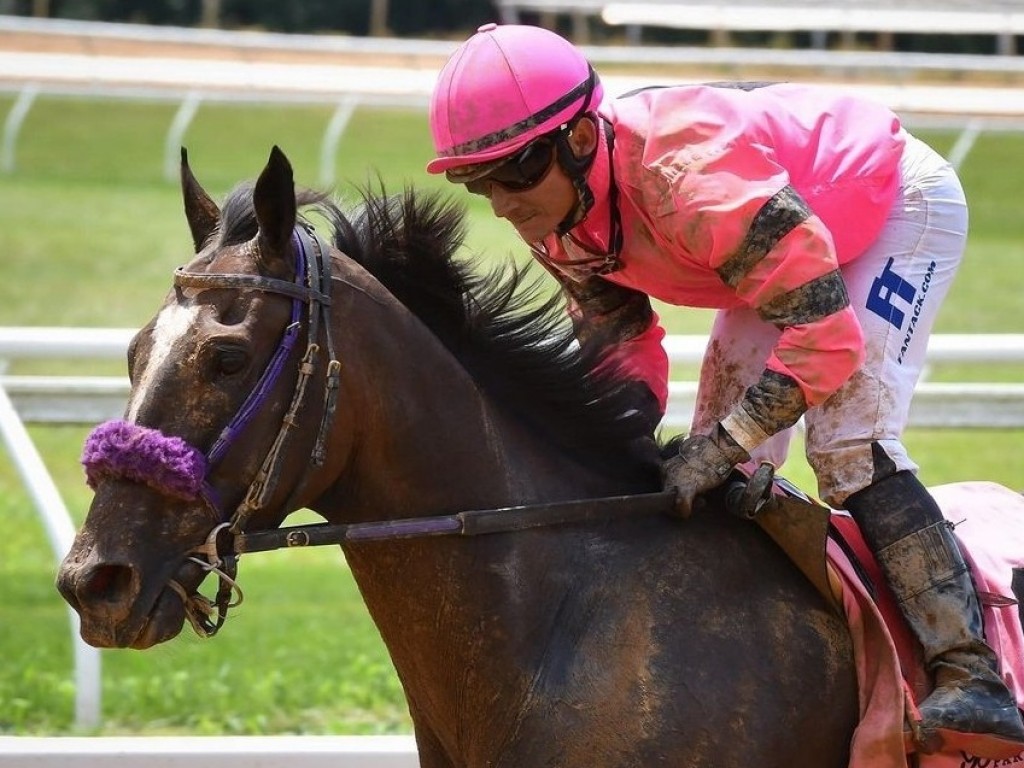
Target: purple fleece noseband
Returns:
[[120, 449]]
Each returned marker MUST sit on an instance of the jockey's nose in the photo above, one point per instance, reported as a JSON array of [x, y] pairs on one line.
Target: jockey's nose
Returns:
[[502, 201]]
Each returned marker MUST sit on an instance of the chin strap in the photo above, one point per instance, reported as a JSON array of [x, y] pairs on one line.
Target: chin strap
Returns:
[[576, 169]]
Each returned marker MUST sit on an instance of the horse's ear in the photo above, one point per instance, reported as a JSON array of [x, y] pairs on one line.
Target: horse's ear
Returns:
[[274, 200], [202, 213]]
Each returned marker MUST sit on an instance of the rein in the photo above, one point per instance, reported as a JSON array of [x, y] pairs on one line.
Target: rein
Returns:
[[477, 522]]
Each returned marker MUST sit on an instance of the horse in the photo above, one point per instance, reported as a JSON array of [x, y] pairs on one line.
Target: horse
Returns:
[[381, 379]]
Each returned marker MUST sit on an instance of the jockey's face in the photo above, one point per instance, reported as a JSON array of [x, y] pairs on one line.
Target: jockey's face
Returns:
[[543, 197], [535, 212]]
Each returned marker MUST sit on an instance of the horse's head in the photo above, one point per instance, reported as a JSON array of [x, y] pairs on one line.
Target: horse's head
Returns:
[[219, 364]]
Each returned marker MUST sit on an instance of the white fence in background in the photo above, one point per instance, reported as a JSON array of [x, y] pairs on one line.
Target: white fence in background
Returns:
[[88, 399], [1001, 19]]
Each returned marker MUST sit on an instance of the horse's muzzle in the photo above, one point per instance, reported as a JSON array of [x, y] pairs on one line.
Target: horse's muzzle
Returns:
[[113, 614]]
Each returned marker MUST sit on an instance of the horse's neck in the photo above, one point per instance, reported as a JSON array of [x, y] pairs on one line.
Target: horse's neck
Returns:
[[421, 439], [438, 445], [424, 438]]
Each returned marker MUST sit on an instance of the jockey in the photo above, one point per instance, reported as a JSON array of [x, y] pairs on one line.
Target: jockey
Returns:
[[825, 235]]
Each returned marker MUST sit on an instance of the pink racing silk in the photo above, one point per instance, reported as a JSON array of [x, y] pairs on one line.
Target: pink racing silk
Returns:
[[694, 165], [816, 353], [643, 358]]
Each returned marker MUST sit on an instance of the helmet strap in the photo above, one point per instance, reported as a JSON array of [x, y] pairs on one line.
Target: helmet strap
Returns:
[[576, 169]]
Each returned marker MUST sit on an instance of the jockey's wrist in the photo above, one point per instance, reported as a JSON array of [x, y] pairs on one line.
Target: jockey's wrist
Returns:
[[773, 404], [727, 444], [742, 430]]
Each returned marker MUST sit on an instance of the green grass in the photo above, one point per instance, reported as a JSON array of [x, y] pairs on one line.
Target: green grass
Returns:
[[89, 234], [300, 655]]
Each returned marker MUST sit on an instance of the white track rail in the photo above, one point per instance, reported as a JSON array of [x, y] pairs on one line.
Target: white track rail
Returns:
[[210, 752]]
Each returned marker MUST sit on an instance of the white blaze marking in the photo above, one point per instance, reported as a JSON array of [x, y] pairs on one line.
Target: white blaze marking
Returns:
[[173, 324]]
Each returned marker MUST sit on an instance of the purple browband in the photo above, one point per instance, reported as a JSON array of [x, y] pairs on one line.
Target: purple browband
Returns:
[[170, 465], [120, 449]]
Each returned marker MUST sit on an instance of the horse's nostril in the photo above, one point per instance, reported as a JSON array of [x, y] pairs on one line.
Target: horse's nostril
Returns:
[[109, 583]]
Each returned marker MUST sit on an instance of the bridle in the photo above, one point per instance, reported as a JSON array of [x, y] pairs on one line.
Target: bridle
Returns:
[[311, 290]]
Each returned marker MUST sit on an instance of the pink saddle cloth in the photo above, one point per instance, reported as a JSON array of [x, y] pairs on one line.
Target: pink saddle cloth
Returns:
[[989, 524]]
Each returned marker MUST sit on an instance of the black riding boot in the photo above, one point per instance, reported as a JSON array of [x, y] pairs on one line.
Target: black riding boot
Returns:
[[926, 571]]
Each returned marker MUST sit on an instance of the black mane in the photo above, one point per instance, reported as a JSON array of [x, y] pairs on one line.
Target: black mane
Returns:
[[513, 338]]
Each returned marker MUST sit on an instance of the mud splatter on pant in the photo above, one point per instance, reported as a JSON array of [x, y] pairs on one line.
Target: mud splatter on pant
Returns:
[[896, 288]]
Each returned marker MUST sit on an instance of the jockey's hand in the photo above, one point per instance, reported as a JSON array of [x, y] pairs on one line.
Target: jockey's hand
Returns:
[[703, 463]]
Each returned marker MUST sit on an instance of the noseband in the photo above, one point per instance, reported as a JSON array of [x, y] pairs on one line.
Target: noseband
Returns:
[[178, 470]]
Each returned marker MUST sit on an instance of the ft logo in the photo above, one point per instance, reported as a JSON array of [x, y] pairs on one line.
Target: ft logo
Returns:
[[889, 288]]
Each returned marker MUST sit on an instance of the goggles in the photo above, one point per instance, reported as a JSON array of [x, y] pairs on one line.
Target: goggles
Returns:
[[522, 171]]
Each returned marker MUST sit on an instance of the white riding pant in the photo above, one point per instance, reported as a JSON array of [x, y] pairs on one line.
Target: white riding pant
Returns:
[[896, 288]]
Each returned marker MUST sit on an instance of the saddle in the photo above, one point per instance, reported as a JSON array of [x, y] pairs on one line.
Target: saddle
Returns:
[[989, 525]]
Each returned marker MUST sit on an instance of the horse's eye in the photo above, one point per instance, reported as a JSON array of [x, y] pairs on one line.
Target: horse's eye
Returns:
[[229, 361]]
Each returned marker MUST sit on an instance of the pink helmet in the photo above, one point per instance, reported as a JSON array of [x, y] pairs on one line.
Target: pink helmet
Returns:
[[504, 87]]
